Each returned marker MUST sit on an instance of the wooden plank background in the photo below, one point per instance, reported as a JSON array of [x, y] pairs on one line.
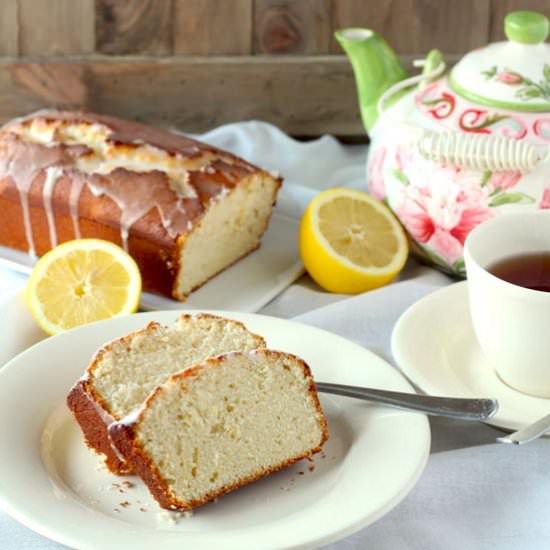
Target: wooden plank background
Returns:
[[196, 64]]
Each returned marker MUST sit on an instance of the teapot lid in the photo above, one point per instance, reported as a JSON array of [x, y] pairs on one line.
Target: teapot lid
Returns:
[[511, 75]]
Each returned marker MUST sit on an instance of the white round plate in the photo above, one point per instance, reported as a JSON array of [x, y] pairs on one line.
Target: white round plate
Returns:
[[435, 346], [53, 484]]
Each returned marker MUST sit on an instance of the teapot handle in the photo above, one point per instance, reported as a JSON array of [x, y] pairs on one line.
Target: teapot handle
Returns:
[[433, 66], [470, 151], [480, 152]]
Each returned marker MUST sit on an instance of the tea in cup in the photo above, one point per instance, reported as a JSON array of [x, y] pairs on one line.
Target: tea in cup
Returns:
[[508, 269]]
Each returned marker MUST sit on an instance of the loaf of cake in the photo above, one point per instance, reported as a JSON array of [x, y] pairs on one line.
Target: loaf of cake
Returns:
[[123, 373], [220, 425], [184, 210]]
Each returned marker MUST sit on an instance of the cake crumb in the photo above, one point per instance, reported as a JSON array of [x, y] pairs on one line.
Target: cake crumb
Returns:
[[101, 467], [142, 509], [124, 504], [128, 484], [311, 467], [116, 510], [300, 473], [173, 517]]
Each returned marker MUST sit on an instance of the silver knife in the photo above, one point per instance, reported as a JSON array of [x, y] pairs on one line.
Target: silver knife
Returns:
[[452, 407]]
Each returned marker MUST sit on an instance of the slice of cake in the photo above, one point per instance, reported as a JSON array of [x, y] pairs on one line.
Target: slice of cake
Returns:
[[125, 371], [222, 424]]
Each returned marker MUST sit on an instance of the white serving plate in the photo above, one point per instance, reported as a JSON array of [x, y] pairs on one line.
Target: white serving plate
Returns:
[[373, 458], [247, 285]]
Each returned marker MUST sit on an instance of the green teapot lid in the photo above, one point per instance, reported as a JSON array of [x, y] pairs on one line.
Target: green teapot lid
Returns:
[[526, 27], [512, 75]]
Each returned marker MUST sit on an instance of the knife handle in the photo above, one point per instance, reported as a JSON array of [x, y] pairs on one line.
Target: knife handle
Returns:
[[452, 407]]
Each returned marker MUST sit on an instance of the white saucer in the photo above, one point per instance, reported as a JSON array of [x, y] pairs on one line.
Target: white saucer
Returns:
[[434, 344], [51, 482]]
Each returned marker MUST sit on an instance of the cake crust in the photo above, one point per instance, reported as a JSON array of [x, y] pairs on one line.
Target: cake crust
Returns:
[[100, 156], [94, 422], [123, 434]]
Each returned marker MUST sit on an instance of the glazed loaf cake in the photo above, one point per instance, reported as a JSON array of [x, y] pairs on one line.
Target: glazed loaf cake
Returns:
[[222, 424], [125, 371], [184, 210]]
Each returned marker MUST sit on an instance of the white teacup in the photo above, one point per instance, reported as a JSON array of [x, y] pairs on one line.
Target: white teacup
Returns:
[[512, 323]]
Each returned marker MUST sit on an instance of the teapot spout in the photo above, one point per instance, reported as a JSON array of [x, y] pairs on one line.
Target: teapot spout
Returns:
[[375, 66]]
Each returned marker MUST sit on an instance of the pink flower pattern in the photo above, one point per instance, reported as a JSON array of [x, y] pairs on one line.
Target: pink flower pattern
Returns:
[[440, 205], [509, 77], [545, 201], [503, 180], [404, 155], [441, 214], [375, 174]]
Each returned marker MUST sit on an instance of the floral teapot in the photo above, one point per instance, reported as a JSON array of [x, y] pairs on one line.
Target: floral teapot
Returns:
[[449, 151]]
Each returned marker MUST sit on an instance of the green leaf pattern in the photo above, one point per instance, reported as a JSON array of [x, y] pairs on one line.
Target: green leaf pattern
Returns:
[[528, 89], [511, 198], [400, 176], [459, 267], [490, 73]]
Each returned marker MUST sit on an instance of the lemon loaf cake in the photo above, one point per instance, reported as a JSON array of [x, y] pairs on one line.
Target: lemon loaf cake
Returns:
[[184, 210], [125, 371], [222, 424]]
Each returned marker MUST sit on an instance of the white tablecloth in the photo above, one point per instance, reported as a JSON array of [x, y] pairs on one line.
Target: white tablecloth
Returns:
[[475, 493]]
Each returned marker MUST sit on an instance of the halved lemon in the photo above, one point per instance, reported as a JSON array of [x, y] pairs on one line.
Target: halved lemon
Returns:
[[82, 281], [351, 242]]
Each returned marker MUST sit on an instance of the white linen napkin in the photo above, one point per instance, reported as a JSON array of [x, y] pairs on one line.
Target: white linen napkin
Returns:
[[492, 497], [474, 493], [307, 167]]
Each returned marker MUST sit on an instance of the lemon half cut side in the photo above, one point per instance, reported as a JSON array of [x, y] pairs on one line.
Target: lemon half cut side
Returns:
[[350, 242], [82, 281]]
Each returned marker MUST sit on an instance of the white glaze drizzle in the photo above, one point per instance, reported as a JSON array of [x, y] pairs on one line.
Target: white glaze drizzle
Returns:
[[23, 168], [24, 199], [132, 417], [53, 173], [74, 195], [177, 203], [107, 420], [136, 194]]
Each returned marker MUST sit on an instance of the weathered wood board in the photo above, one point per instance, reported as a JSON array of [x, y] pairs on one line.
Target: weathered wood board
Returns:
[[200, 63], [192, 93]]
